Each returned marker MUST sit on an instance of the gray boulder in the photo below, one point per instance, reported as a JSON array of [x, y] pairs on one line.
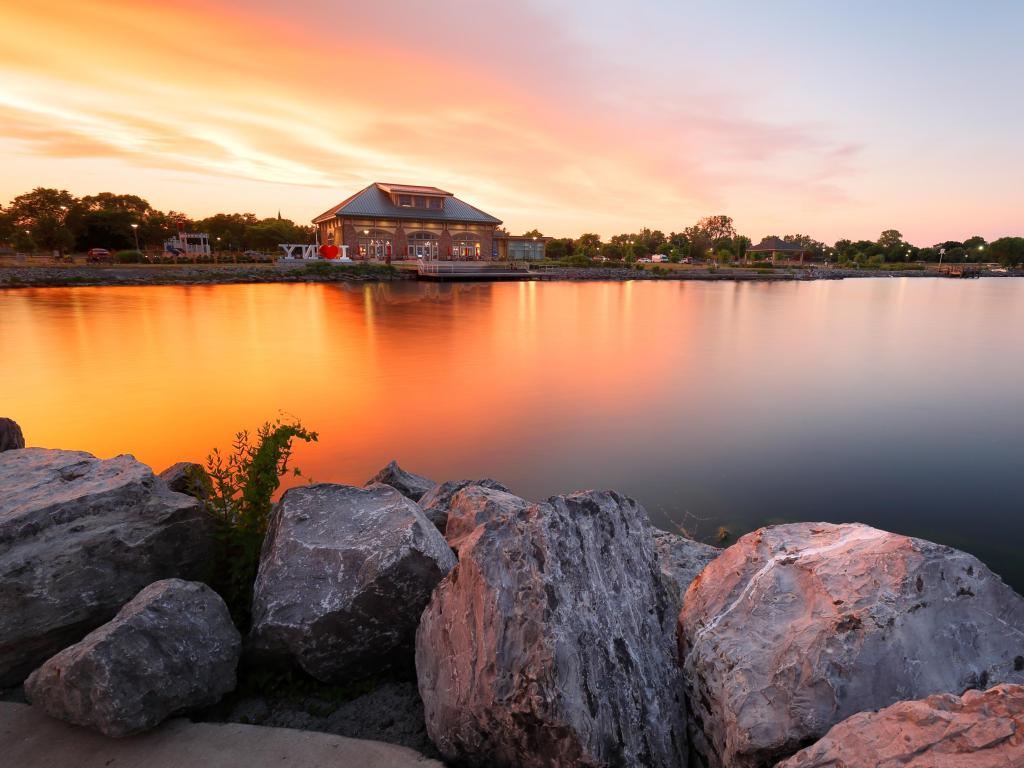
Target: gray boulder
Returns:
[[475, 505], [797, 627], [545, 645], [976, 730], [436, 502], [410, 485], [10, 435], [172, 648], [681, 560], [344, 576], [188, 478], [79, 537]]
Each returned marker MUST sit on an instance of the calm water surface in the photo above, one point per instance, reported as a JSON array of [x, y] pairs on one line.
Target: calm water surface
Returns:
[[893, 402]]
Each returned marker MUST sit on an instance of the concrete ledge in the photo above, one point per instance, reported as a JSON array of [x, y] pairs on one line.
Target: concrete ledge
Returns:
[[30, 739]]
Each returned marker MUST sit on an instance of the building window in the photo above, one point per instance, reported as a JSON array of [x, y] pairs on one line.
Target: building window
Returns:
[[465, 246], [422, 245], [405, 201], [374, 244]]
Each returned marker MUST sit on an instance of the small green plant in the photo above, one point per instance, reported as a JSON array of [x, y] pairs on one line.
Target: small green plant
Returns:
[[128, 257], [243, 484]]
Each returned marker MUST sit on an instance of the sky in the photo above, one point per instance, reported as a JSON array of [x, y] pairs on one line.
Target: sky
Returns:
[[833, 119]]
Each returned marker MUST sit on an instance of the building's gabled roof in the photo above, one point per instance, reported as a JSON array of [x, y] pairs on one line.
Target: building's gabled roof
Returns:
[[410, 189], [775, 244], [375, 202]]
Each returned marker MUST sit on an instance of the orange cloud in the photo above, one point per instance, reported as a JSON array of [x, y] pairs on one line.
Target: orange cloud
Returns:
[[504, 109]]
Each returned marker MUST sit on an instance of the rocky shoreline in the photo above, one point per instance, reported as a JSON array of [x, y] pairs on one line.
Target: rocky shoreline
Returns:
[[129, 275], [490, 630]]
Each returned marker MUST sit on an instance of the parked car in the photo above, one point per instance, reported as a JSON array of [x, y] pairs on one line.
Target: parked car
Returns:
[[687, 260], [98, 254]]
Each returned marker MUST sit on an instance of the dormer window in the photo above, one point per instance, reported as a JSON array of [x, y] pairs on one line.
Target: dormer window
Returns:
[[405, 201]]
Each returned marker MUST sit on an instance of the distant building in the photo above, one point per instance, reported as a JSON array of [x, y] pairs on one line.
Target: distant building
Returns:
[[399, 221], [194, 243], [520, 247], [772, 247]]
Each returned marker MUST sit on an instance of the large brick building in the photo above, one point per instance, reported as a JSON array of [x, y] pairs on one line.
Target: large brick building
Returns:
[[398, 221]]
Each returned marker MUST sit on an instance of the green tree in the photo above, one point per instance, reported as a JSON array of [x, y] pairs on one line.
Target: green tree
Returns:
[[1008, 251], [588, 244], [105, 228], [23, 242], [561, 248], [716, 227]]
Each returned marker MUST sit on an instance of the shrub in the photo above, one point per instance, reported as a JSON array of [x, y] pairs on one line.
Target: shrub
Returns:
[[242, 486], [577, 260], [128, 257]]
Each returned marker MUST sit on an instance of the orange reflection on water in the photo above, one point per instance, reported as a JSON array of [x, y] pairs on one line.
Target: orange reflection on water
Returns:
[[446, 378]]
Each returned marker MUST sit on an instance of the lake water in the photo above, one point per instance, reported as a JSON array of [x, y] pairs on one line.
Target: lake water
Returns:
[[895, 402]]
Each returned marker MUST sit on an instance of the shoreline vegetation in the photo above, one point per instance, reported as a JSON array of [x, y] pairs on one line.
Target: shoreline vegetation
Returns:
[[50, 274]]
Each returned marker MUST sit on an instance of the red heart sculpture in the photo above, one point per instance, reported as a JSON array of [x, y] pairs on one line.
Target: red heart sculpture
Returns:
[[329, 251]]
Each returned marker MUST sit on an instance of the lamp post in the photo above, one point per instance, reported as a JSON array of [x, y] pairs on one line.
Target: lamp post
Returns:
[[135, 229]]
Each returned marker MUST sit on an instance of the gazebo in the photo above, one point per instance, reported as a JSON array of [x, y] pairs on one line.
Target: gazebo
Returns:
[[772, 246]]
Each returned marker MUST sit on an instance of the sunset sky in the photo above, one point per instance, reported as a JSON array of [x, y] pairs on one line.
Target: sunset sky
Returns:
[[835, 119]]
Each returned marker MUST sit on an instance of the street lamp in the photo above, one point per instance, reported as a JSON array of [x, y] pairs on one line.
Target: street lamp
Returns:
[[135, 229]]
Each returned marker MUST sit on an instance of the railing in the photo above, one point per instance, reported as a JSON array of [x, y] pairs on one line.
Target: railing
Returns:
[[469, 267]]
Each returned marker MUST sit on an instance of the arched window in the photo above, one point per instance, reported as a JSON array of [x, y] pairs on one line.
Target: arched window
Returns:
[[465, 245], [422, 245], [374, 244]]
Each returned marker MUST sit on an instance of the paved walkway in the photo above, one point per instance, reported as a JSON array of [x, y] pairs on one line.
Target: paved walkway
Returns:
[[29, 739]]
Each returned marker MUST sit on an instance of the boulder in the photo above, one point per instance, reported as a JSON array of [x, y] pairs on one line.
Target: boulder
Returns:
[[796, 627], [343, 578], [410, 485], [545, 645], [79, 537], [10, 435], [172, 648], [436, 502], [475, 505], [980, 730], [680, 560], [188, 478]]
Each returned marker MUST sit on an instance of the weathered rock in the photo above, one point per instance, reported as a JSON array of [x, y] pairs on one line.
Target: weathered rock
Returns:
[[10, 435], [978, 730], [188, 478], [436, 502], [796, 627], [344, 576], [680, 560], [79, 537], [545, 645], [172, 648], [410, 485], [477, 504]]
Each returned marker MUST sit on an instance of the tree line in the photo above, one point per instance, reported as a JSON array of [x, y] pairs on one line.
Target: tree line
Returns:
[[715, 238], [55, 220]]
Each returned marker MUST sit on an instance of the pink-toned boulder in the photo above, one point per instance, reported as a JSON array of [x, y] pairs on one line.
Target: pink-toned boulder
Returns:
[[475, 505], [977, 730], [545, 646], [797, 627]]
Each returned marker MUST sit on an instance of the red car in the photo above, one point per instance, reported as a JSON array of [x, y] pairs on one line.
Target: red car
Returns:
[[98, 254]]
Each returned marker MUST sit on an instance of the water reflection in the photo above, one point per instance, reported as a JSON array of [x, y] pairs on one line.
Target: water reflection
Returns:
[[887, 401]]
